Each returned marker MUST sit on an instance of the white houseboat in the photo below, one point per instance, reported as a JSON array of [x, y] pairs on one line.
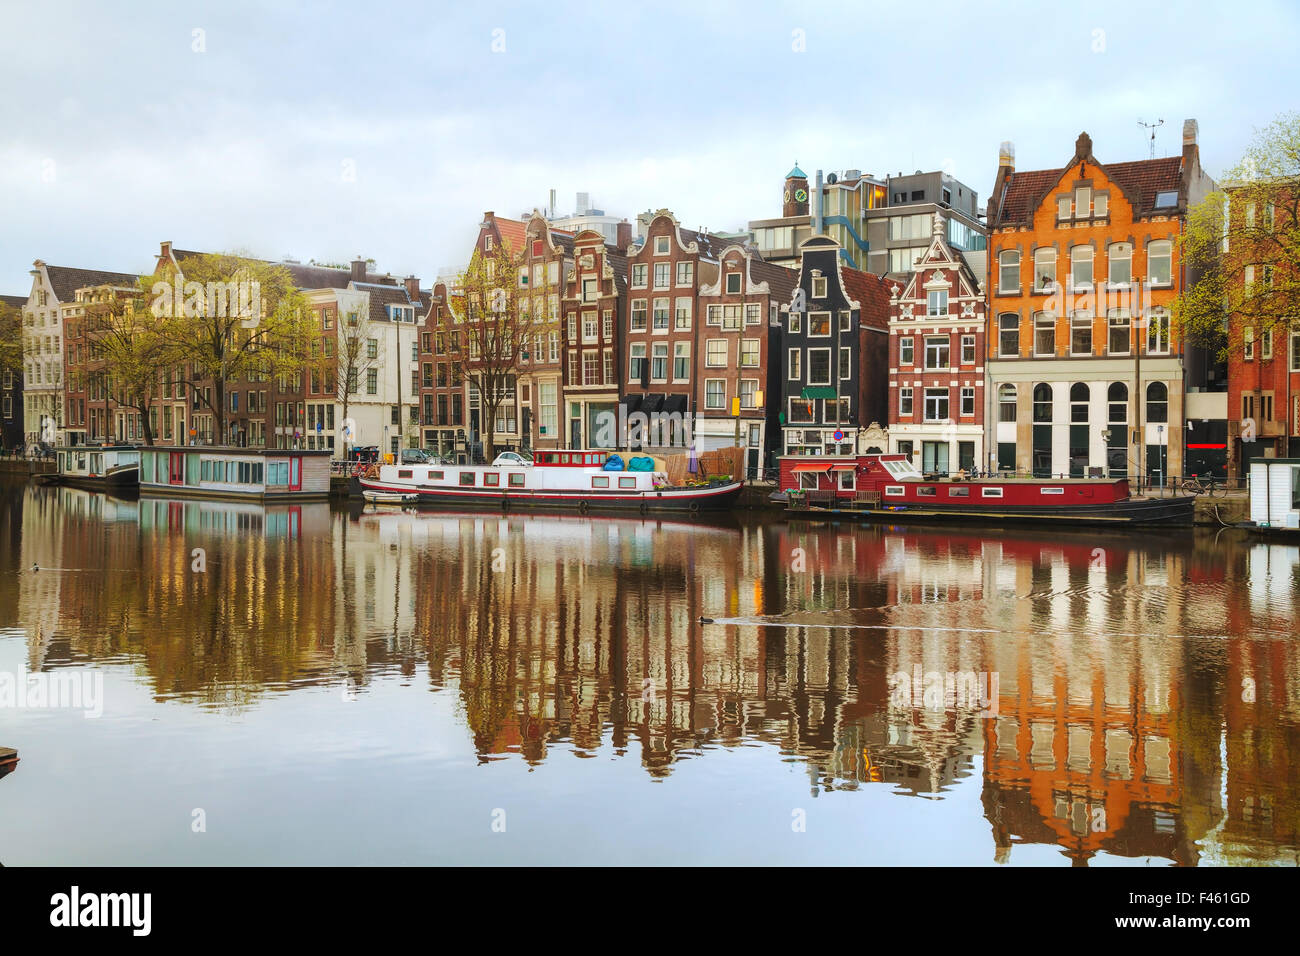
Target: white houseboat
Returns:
[[98, 466], [260, 474], [554, 479], [1275, 495]]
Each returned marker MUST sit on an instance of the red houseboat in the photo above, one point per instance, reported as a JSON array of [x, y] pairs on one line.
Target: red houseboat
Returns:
[[889, 487]]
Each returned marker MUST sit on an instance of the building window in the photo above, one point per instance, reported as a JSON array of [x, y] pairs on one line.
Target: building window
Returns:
[[1044, 333], [659, 362], [819, 287], [1008, 334], [1157, 402], [1266, 345], [1082, 202], [1081, 333], [905, 356], [1042, 402], [372, 382], [682, 315], [968, 350], [1117, 403], [937, 302], [905, 402], [936, 404], [685, 273], [846, 363], [968, 402], [1248, 345], [1158, 331], [748, 392], [714, 393], [937, 352], [662, 274], [819, 366], [372, 348], [1044, 270], [715, 354], [1119, 263], [682, 362], [1079, 394], [638, 315], [793, 372], [1081, 267], [749, 353], [1295, 352], [636, 363], [1160, 263], [639, 274], [1118, 332], [661, 246], [733, 282], [1006, 403], [796, 324], [819, 323], [660, 315]]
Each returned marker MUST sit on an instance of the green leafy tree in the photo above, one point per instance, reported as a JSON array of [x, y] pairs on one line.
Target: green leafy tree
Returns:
[[1242, 247], [131, 347]]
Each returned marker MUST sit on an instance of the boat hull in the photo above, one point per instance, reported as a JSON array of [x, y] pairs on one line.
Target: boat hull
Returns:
[[1132, 511], [125, 476], [715, 498]]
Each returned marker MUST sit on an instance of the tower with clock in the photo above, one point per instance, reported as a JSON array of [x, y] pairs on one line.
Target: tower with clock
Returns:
[[795, 197]]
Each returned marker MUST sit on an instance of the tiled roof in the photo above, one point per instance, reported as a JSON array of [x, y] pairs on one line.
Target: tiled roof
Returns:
[[872, 293], [66, 281], [307, 277], [512, 233], [1141, 179], [780, 280], [382, 296]]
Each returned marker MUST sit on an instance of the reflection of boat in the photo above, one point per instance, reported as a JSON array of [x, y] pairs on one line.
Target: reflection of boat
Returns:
[[389, 498], [557, 479], [8, 760], [98, 467], [890, 488]]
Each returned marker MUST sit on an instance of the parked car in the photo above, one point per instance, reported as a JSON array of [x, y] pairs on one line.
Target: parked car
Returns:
[[511, 458], [415, 456]]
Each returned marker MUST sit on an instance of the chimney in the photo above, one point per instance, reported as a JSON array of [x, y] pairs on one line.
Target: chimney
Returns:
[[412, 288], [1083, 146], [166, 250], [1191, 150], [551, 213], [1007, 155], [358, 270], [624, 236]]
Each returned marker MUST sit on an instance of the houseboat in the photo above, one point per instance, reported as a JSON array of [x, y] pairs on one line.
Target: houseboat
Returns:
[[565, 479], [8, 761], [257, 474], [890, 488], [1275, 496], [98, 467]]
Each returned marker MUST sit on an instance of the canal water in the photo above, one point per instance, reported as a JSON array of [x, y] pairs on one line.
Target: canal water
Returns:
[[204, 683]]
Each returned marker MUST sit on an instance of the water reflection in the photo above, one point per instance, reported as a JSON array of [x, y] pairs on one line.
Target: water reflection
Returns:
[[1105, 696]]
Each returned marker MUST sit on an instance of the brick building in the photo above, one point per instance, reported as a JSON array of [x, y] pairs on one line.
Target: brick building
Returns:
[[547, 261], [442, 378], [1084, 369], [936, 361], [592, 309], [740, 355]]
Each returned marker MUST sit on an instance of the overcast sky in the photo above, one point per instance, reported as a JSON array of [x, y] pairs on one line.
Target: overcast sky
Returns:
[[325, 131]]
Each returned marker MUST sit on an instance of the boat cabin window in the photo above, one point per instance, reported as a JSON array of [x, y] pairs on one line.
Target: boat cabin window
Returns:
[[808, 480], [990, 492], [627, 482], [895, 491], [404, 473], [433, 476], [962, 492], [1051, 491], [600, 481], [925, 491], [467, 477], [493, 481], [517, 479]]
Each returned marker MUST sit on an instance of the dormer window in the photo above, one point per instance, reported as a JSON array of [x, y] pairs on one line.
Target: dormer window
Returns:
[[819, 287], [1166, 199], [1082, 202], [733, 282], [661, 245]]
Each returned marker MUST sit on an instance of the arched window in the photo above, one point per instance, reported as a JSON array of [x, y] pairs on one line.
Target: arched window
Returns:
[[1081, 267], [1160, 262], [1042, 402], [1006, 403], [1119, 258], [1157, 402], [1079, 394], [1009, 271], [1044, 269], [1117, 400]]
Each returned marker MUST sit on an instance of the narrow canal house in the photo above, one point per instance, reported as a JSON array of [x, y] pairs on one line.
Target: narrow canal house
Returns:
[[834, 354], [442, 377], [666, 272], [592, 309], [547, 260], [936, 361], [1084, 370], [741, 355]]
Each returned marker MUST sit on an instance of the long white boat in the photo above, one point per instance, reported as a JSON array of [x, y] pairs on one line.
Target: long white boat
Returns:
[[98, 466], [554, 479]]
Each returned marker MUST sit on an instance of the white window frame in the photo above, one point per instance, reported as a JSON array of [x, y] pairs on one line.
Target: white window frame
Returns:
[[829, 367]]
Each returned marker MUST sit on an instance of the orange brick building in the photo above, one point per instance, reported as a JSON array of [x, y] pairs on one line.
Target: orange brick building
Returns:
[[1085, 373]]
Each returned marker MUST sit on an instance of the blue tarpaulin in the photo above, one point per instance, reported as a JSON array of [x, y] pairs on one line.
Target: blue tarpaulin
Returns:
[[614, 463], [641, 463]]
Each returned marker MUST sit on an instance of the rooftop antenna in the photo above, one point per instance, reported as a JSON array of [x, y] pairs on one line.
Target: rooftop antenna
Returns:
[[1153, 127]]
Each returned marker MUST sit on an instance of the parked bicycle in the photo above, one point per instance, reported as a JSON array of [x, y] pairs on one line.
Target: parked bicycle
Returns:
[[1203, 485]]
